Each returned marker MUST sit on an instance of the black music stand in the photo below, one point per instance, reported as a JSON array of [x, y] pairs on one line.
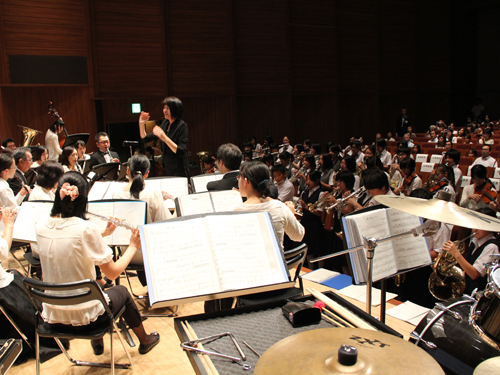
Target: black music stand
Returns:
[[105, 171], [73, 138]]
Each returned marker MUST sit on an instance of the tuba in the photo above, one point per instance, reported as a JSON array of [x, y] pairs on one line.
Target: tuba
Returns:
[[29, 135], [202, 155], [447, 279]]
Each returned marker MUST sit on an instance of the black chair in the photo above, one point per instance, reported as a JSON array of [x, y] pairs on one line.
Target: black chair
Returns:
[[38, 290], [33, 264], [294, 258]]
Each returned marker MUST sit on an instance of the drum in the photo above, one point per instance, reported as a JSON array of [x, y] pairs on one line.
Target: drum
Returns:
[[459, 347], [485, 315]]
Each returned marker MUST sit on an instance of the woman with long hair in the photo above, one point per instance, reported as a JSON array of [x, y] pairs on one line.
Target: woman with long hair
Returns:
[[52, 139], [69, 160], [70, 248]]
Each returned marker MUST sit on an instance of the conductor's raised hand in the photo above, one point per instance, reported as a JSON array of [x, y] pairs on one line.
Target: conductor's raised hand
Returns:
[[159, 132], [143, 117]]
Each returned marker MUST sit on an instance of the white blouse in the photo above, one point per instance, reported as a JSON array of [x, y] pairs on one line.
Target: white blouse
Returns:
[[7, 198], [5, 277], [70, 248], [52, 144]]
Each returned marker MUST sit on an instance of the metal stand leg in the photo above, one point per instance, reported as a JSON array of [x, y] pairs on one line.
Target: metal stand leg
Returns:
[[370, 244], [383, 304]]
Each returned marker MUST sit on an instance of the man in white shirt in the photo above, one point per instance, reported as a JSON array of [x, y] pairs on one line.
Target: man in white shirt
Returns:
[[451, 159], [383, 154], [356, 152], [407, 139], [433, 137], [286, 189], [485, 158]]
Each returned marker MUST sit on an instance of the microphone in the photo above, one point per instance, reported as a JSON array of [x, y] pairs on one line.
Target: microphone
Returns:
[[130, 143]]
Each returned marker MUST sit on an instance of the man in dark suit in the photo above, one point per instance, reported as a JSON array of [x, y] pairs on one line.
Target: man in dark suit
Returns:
[[103, 155], [228, 163], [23, 160], [402, 123]]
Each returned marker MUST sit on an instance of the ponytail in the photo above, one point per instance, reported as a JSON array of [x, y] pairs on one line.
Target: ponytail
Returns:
[[139, 166]]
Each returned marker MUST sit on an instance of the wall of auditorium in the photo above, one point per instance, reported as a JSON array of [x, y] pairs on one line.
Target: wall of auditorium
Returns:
[[318, 69]]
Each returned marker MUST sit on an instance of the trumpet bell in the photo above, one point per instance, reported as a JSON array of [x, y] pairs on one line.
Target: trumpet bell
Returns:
[[202, 155]]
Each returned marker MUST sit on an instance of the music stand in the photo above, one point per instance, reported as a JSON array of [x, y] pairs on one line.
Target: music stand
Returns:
[[105, 171], [73, 138]]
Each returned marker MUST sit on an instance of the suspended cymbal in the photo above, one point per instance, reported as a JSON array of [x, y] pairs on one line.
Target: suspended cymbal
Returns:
[[316, 352], [440, 210], [488, 367]]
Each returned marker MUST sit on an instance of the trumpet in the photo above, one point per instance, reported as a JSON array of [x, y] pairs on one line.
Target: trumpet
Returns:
[[319, 202], [341, 203], [296, 175], [118, 223], [297, 209]]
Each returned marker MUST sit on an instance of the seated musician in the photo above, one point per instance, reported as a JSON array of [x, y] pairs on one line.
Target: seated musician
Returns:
[[326, 168], [66, 238], [444, 180], [451, 159], [228, 163], [334, 152], [349, 164], [81, 148], [311, 218], [209, 163], [7, 171], [383, 154], [284, 159], [309, 165], [411, 180], [69, 160], [376, 182], [23, 161], [345, 184], [285, 187], [40, 155], [473, 260], [481, 192], [369, 153]]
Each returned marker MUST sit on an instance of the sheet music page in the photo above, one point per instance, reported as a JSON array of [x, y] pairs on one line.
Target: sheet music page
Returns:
[[29, 213], [225, 200], [178, 260], [177, 187], [245, 254], [98, 190], [193, 204], [410, 251], [114, 186], [104, 209], [375, 224], [200, 182], [133, 212]]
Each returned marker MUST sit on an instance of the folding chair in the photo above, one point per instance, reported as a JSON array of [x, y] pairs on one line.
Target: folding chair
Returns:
[[37, 290]]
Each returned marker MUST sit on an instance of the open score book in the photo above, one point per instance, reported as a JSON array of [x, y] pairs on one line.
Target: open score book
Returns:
[[390, 257], [212, 256]]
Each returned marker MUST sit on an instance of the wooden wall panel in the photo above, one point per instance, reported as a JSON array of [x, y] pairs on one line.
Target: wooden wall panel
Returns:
[[27, 106], [357, 51], [263, 115], [261, 53], [318, 13], [390, 107], [201, 42], [358, 114], [129, 48], [432, 107]]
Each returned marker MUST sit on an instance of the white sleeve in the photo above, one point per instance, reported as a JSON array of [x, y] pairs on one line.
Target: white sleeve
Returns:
[[485, 258], [7, 198], [4, 249], [159, 211], [293, 228]]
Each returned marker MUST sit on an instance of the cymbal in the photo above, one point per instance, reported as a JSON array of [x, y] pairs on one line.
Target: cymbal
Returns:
[[490, 366], [316, 352], [440, 210]]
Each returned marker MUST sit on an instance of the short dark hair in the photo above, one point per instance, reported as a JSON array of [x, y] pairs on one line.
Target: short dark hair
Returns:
[[280, 168], [20, 153], [478, 171], [404, 150], [347, 177], [453, 154], [317, 148], [37, 154], [300, 147], [307, 142], [315, 176], [350, 163], [81, 143], [486, 145], [408, 163], [139, 166], [268, 158], [5, 161], [335, 148], [175, 106], [257, 173], [381, 143], [7, 140], [99, 135], [66, 207], [67, 151], [421, 193], [327, 162], [373, 162], [356, 144], [48, 174], [311, 160], [230, 155], [375, 179], [285, 155]]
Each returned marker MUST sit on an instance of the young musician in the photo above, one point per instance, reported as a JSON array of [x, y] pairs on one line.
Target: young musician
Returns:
[[253, 183], [70, 248], [334, 152], [69, 160], [376, 182], [284, 159], [228, 163], [52, 140], [477, 255], [383, 154], [481, 187], [311, 218], [326, 167], [40, 155], [411, 180], [349, 164], [7, 171], [309, 165], [173, 132], [444, 179], [285, 187], [451, 159]]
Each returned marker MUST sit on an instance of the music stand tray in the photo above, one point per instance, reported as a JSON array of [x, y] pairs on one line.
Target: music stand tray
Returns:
[[73, 138], [105, 171]]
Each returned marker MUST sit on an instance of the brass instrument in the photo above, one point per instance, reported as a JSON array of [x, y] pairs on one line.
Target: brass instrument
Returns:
[[447, 279], [202, 155], [313, 206], [29, 135], [297, 209], [341, 203], [296, 175]]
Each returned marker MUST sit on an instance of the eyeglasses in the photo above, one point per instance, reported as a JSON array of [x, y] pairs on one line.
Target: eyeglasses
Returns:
[[103, 142]]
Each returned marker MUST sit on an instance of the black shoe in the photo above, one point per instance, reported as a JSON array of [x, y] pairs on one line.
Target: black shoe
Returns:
[[109, 283], [143, 349], [98, 348]]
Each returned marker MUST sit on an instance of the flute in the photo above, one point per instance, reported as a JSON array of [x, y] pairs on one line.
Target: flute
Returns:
[[118, 223]]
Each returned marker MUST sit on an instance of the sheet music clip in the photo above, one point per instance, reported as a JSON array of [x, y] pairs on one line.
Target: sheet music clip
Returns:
[[192, 346]]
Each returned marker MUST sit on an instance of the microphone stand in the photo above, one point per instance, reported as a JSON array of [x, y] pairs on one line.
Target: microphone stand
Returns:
[[369, 244]]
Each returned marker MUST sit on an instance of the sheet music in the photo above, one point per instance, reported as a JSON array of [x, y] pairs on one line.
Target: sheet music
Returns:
[[114, 186], [410, 251], [225, 200], [195, 204], [176, 186], [98, 190], [178, 260], [200, 182], [29, 213], [104, 209], [240, 256]]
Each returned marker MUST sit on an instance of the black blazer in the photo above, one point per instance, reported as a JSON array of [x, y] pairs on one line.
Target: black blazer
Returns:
[[14, 183], [98, 158], [228, 182]]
